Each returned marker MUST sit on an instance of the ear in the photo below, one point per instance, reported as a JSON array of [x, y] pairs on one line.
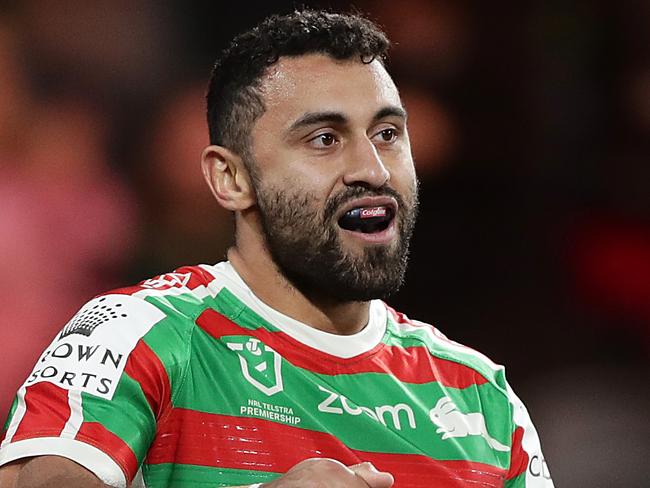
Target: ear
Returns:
[[228, 178]]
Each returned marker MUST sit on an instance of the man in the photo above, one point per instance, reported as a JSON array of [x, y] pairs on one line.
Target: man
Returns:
[[280, 366]]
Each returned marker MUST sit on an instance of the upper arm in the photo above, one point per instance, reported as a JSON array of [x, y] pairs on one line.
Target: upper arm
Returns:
[[9, 473], [94, 394], [527, 466], [47, 471]]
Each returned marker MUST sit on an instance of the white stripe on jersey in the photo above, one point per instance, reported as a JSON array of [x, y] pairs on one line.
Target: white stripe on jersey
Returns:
[[76, 418], [17, 418]]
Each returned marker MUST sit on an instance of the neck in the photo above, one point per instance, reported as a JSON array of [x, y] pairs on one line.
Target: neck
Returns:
[[251, 260]]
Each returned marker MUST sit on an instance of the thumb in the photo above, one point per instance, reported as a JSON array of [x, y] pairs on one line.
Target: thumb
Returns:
[[374, 478]]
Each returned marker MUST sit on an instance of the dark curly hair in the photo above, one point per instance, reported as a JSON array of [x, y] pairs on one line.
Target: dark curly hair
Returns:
[[234, 99]]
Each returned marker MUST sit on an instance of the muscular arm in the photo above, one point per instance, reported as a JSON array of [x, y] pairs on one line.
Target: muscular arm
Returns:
[[47, 472], [57, 472]]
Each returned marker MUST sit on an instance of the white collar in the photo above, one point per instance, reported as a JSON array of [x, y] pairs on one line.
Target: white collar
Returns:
[[343, 346]]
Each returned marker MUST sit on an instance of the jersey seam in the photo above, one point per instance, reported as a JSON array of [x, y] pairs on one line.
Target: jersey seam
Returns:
[[188, 346], [188, 357]]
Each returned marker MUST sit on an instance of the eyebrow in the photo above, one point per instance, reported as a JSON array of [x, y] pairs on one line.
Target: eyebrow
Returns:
[[390, 111], [312, 118]]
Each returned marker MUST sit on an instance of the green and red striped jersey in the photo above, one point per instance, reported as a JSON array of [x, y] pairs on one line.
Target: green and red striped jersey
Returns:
[[189, 380]]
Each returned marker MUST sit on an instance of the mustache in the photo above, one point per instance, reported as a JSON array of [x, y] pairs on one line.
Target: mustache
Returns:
[[354, 192]]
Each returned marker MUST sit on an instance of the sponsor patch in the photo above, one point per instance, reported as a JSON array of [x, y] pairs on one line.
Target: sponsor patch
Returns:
[[399, 415], [537, 467], [92, 349]]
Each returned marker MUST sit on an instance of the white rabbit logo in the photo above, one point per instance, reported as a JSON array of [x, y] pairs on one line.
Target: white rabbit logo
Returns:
[[452, 422]]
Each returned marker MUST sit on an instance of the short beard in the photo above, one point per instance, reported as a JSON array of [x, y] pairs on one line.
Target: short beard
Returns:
[[304, 243]]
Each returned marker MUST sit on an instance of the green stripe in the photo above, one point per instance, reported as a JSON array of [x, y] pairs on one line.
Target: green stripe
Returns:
[[128, 415], [391, 339], [12, 411], [170, 475], [219, 387], [186, 304], [227, 304]]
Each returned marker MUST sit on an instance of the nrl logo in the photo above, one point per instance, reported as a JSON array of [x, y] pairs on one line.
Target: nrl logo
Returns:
[[260, 365]]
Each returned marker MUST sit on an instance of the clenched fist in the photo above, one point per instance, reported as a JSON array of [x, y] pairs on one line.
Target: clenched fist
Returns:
[[329, 473]]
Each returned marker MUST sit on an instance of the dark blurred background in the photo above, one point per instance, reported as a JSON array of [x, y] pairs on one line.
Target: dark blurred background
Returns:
[[529, 122]]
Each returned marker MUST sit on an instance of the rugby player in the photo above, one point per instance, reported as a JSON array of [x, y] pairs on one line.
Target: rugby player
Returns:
[[282, 366]]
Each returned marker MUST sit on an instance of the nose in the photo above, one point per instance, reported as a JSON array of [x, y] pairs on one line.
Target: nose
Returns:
[[365, 166]]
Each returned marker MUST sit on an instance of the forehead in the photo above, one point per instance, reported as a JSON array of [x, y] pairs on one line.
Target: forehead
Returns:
[[317, 82]]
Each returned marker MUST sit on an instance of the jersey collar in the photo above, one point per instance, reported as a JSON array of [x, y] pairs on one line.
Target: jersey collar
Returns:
[[343, 346]]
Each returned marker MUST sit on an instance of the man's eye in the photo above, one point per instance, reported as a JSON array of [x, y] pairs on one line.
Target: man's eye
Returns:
[[388, 135], [324, 140]]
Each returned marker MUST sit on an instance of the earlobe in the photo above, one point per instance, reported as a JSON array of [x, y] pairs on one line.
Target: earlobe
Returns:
[[227, 177]]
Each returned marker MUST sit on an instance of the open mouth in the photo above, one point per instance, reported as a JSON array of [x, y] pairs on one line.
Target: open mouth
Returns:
[[367, 220]]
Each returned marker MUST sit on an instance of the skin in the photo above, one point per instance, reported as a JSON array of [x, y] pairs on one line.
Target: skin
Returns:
[[323, 158]]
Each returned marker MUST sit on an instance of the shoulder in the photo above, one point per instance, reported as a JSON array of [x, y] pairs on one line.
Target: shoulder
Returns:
[[411, 332], [123, 330], [176, 297], [181, 290]]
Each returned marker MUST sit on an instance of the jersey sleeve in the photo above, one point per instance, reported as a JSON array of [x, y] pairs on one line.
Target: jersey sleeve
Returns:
[[96, 392], [528, 468]]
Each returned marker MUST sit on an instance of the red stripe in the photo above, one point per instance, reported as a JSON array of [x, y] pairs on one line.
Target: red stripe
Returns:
[[410, 364], [125, 290], [198, 438], [519, 457], [47, 411], [145, 367], [198, 277], [97, 435]]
